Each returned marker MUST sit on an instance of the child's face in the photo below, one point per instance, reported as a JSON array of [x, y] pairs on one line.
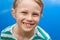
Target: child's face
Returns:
[[27, 15]]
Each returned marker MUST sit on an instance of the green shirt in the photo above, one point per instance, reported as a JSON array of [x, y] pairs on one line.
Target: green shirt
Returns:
[[39, 34]]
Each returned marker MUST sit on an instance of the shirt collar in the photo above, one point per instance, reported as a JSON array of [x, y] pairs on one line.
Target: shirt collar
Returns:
[[36, 33]]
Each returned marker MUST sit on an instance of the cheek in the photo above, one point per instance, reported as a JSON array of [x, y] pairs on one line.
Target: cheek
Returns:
[[36, 19], [19, 18]]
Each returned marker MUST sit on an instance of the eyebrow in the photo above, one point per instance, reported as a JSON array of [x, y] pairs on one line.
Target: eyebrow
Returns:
[[23, 9], [37, 11]]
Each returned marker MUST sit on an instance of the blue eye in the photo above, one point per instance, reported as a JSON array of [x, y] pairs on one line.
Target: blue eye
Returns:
[[35, 14], [24, 12]]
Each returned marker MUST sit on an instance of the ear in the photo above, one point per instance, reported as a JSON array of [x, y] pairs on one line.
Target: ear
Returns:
[[13, 13]]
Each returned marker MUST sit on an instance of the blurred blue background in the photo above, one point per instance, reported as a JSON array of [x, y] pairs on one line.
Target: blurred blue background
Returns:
[[50, 20]]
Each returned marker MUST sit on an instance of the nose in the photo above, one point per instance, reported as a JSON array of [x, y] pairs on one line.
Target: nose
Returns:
[[29, 18]]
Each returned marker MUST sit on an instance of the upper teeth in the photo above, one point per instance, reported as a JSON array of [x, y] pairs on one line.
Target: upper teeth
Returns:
[[28, 23]]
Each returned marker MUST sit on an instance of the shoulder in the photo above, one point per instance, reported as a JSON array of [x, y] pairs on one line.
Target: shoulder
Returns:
[[6, 33], [43, 33], [7, 30]]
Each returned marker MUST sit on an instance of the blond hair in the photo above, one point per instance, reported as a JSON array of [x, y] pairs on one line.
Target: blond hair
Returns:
[[39, 2]]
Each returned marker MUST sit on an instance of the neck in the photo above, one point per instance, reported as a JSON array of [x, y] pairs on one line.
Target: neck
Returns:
[[21, 33]]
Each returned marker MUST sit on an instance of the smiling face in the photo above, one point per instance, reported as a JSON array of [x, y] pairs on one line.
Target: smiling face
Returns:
[[27, 15]]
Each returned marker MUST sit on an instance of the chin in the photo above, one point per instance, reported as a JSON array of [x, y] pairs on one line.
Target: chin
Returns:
[[27, 29]]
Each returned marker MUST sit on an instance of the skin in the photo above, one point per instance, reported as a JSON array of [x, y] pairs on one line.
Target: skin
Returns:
[[27, 15]]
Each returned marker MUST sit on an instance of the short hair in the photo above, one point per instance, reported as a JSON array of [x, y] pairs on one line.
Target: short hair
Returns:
[[39, 2]]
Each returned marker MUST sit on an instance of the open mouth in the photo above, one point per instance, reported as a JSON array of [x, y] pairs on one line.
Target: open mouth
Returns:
[[28, 24]]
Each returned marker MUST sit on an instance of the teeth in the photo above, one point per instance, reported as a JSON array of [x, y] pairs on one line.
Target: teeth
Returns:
[[27, 24]]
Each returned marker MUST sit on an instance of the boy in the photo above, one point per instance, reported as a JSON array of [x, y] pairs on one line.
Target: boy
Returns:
[[27, 14]]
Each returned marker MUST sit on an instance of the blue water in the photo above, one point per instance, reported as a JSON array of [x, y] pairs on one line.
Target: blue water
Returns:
[[50, 20]]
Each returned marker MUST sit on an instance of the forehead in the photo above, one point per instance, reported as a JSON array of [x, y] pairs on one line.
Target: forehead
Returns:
[[28, 4]]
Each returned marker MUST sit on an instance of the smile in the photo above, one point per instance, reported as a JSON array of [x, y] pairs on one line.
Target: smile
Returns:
[[28, 24]]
